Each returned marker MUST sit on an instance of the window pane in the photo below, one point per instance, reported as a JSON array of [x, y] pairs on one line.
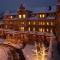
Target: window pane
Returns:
[[29, 29], [34, 23], [47, 23], [20, 16], [33, 29], [24, 16]]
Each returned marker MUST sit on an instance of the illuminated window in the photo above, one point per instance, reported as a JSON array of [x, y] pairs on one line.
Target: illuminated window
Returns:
[[22, 22], [47, 29], [43, 23], [47, 23], [40, 23], [22, 28], [51, 30], [40, 29], [51, 23], [34, 23], [43, 30], [20, 16], [33, 29], [29, 22], [24, 16], [11, 17], [43, 15], [40, 15], [29, 29]]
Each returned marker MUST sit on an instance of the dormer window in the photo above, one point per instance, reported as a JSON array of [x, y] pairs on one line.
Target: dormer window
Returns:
[[42, 15], [20, 16], [24, 16]]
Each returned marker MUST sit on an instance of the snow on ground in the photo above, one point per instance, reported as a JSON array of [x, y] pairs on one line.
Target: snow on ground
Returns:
[[3, 53], [55, 55], [1, 40], [54, 52], [28, 53]]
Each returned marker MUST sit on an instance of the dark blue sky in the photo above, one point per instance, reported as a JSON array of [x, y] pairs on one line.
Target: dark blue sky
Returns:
[[14, 4]]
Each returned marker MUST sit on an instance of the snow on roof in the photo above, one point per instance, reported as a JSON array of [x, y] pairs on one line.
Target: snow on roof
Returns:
[[7, 12], [58, 3], [13, 13], [12, 32], [10, 12], [52, 17], [44, 9], [40, 33], [1, 22], [33, 18], [49, 34], [36, 18], [1, 40], [31, 32]]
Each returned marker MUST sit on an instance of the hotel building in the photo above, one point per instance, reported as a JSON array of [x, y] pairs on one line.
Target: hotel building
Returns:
[[46, 19]]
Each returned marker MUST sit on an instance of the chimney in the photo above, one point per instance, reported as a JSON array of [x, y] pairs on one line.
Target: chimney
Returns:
[[49, 7]]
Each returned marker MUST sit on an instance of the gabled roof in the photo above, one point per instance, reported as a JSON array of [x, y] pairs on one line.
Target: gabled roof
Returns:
[[44, 9], [10, 12]]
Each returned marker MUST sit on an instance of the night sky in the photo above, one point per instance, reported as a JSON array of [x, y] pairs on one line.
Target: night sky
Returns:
[[14, 4]]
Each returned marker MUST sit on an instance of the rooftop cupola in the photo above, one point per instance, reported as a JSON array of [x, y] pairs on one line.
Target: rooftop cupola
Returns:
[[22, 7]]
